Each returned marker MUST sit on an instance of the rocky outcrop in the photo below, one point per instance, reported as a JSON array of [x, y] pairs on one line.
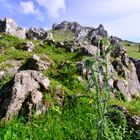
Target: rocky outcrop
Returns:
[[9, 26], [121, 70], [137, 65], [98, 31], [81, 31], [35, 33], [23, 94], [127, 81]]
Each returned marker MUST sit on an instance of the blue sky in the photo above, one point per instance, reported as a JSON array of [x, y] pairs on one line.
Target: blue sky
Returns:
[[120, 17]]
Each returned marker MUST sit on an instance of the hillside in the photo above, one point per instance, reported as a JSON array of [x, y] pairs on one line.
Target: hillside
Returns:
[[71, 82]]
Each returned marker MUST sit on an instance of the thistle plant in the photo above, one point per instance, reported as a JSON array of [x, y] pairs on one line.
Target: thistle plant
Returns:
[[101, 92]]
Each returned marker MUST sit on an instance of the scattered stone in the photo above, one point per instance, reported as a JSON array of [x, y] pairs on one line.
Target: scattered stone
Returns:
[[35, 63], [60, 44], [23, 92], [28, 46], [50, 36]]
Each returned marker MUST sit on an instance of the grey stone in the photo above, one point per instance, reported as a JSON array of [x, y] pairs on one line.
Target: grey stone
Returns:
[[90, 50], [23, 92], [28, 46]]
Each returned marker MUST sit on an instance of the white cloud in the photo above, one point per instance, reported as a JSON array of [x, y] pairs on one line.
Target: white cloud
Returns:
[[29, 8], [53, 7]]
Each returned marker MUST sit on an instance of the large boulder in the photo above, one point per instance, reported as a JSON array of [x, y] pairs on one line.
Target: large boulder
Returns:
[[23, 94], [90, 50], [9, 26], [35, 33]]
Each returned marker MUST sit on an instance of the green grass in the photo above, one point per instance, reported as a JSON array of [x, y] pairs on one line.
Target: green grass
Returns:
[[133, 51], [133, 106], [61, 35], [75, 121], [77, 118]]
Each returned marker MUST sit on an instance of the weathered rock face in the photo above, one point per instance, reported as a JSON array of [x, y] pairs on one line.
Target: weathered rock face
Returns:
[[23, 93], [9, 26], [129, 83], [90, 50], [74, 26], [98, 31], [137, 65], [34, 33]]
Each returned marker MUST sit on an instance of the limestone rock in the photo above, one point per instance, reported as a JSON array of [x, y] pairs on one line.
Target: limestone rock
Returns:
[[98, 31], [9, 26], [90, 50], [126, 69], [35, 33], [23, 92]]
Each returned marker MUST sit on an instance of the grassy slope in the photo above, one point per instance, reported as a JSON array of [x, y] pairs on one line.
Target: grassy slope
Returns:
[[132, 49], [76, 120], [61, 35]]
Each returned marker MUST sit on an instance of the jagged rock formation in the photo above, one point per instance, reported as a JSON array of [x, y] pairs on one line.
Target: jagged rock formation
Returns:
[[34, 33], [81, 32], [23, 93], [128, 83], [9, 26]]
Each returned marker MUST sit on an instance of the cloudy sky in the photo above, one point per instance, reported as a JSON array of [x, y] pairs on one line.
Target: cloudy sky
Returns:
[[120, 17]]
